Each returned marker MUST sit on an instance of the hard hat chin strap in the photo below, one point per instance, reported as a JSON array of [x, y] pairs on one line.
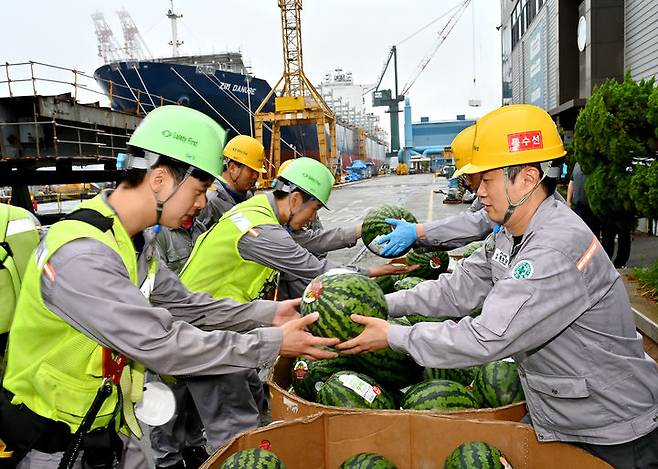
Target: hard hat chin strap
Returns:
[[511, 206], [159, 204]]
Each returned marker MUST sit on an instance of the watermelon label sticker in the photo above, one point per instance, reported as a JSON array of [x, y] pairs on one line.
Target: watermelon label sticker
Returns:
[[363, 389], [435, 262], [300, 370], [523, 270], [313, 291]]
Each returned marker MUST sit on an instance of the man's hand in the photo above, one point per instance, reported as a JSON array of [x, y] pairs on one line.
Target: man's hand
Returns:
[[391, 269], [358, 230], [286, 311], [298, 341], [374, 337], [403, 236]]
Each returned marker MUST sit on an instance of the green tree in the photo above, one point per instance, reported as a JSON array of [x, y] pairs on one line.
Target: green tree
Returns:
[[613, 139]]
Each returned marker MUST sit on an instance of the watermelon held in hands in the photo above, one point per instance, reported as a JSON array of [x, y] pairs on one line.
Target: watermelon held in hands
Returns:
[[497, 384], [374, 226], [432, 264], [475, 455], [438, 394], [337, 295], [253, 458], [367, 461], [354, 390], [407, 283]]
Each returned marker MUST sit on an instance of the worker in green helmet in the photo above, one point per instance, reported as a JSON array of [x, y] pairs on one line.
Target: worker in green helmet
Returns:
[[241, 256], [97, 308]]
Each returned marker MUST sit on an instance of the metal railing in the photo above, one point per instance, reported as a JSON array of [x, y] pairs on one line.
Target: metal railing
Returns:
[[38, 78]]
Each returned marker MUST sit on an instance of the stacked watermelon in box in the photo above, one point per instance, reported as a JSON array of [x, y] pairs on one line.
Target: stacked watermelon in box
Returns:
[[386, 379]]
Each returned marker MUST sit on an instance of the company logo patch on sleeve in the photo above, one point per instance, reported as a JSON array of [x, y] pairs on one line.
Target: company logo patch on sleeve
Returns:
[[49, 271], [523, 270], [524, 141]]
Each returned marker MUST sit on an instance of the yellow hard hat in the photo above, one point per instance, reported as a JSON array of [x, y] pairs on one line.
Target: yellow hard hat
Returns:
[[246, 150], [283, 166], [462, 146], [513, 135]]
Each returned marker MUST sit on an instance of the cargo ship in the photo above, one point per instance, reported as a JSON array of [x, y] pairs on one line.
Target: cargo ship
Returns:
[[221, 86]]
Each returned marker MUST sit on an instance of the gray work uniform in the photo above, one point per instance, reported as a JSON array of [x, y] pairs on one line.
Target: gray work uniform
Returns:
[[318, 242], [178, 333], [459, 230], [555, 303], [227, 404], [277, 249]]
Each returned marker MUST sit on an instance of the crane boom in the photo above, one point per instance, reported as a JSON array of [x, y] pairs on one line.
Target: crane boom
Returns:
[[443, 35]]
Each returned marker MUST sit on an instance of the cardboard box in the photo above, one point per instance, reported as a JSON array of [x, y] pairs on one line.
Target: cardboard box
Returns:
[[287, 406], [409, 440]]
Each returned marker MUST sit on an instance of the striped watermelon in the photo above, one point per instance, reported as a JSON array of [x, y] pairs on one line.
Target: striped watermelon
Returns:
[[432, 264], [374, 225], [463, 376], [497, 384], [407, 283], [354, 390], [367, 461], [475, 455], [438, 394], [386, 282], [416, 318], [253, 458], [307, 376], [336, 295]]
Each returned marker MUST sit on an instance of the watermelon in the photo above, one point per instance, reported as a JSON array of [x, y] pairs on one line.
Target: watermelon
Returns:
[[475, 455], [416, 318], [367, 461], [374, 226], [471, 248], [386, 282], [432, 264], [354, 390], [307, 376], [497, 384], [336, 295], [407, 283], [463, 376], [253, 458], [438, 394]]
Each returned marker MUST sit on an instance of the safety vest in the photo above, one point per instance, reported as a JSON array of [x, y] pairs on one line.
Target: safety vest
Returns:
[[216, 266], [53, 368], [18, 238]]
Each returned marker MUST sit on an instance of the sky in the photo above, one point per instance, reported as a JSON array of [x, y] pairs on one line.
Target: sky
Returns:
[[355, 35]]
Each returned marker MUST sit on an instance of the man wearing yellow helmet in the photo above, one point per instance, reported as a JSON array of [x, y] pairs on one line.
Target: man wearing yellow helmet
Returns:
[[93, 314], [550, 298], [451, 232]]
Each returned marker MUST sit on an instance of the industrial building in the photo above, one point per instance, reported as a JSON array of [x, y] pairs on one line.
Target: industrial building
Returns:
[[554, 52], [425, 141]]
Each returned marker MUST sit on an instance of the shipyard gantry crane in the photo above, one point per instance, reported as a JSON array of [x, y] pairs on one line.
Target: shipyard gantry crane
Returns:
[[298, 103]]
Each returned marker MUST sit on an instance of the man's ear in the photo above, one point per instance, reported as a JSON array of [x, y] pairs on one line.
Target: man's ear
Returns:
[[531, 176], [157, 178]]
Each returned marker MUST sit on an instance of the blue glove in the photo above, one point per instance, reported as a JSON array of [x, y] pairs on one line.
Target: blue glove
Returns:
[[403, 236]]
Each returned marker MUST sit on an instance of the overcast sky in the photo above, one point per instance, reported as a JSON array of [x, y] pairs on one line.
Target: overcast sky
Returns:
[[353, 34]]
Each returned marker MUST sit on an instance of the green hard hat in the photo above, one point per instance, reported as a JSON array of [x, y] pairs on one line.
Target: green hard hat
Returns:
[[311, 176], [182, 134]]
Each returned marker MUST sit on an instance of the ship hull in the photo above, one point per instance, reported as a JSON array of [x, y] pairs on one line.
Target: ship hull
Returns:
[[230, 98]]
